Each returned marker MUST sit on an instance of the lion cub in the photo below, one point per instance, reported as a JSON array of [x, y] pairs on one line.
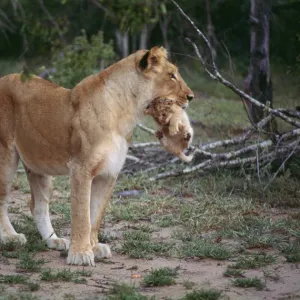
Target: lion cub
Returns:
[[176, 132]]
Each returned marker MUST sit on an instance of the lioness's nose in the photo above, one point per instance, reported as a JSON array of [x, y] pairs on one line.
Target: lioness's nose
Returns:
[[190, 97]]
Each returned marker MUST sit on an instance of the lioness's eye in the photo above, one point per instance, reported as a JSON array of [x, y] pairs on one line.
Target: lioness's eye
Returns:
[[173, 76]]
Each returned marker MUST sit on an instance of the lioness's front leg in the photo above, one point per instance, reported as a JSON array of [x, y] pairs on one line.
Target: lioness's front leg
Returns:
[[102, 188], [80, 252]]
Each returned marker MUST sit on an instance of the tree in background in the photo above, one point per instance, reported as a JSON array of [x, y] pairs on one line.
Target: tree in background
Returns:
[[258, 82]]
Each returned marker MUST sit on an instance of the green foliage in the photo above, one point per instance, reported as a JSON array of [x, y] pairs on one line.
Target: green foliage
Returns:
[[65, 275], [80, 59], [160, 277], [133, 14], [202, 295], [249, 282], [125, 292]]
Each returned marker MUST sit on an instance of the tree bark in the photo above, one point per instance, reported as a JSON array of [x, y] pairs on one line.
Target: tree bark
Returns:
[[122, 42], [144, 37], [211, 30], [258, 81], [163, 23]]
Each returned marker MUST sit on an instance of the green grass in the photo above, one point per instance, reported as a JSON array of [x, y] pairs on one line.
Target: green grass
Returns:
[[28, 264], [202, 295], [126, 292], [160, 277], [65, 275], [138, 244], [254, 261], [292, 252], [204, 248], [26, 225], [19, 296], [13, 279], [249, 282], [233, 273]]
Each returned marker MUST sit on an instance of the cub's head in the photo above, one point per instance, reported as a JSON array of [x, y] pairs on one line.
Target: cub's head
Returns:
[[167, 80], [161, 110]]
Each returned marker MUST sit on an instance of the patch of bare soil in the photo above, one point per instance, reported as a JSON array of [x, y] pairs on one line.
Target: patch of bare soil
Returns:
[[282, 279]]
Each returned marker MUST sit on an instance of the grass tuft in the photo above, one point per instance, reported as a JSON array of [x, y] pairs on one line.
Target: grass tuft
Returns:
[[160, 277], [65, 275], [28, 264], [202, 295], [254, 261], [126, 292], [138, 244], [233, 273], [249, 282], [13, 279], [204, 248]]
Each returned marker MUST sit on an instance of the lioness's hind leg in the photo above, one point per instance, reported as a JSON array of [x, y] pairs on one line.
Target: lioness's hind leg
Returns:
[[8, 165], [102, 188], [41, 189]]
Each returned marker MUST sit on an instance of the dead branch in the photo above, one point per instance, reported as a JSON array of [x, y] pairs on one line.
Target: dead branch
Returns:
[[256, 146]]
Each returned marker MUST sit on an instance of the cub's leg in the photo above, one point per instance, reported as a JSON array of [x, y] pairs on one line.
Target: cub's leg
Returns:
[[41, 189], [102, 188], [80, 252], [8, 165]]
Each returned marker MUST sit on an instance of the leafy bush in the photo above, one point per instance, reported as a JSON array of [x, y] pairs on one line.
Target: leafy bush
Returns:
[[80, 59]]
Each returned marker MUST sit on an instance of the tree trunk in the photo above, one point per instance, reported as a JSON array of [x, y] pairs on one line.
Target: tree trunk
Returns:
[[210, 30], [122, 42], [144, 37], [163, 23], [258, 81]]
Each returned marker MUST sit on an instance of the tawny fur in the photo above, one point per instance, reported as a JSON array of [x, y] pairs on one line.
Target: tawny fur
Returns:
[[83, 133], [176, 133]]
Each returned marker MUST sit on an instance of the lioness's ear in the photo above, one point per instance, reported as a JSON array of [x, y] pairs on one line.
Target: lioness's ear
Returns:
[[153, 59]]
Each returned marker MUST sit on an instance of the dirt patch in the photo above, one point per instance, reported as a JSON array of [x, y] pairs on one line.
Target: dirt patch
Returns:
[[281, 279]]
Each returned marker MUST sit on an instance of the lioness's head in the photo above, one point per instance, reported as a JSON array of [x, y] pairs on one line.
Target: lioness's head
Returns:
[[167, 81]]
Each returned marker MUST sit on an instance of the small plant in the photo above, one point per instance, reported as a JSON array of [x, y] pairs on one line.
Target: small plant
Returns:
[[80, 59], [254, 261], [126, 292], [137, 244], [188, 285], [202, 295], [160, 277], [203, 248], [13, 279], [292, 252], [27, 226], [65, 275], [233, 273], [29, 264], [249, 282]]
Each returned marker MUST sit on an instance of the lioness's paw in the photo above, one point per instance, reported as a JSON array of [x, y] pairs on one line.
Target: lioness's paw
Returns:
[[58, 244], [102, 251], [81, 259], [18, 239]]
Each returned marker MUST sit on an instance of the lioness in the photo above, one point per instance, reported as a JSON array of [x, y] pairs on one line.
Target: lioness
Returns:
[[175, 133], [83, 132]]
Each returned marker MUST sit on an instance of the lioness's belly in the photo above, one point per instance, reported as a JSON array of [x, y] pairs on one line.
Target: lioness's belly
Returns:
[[44, 148]]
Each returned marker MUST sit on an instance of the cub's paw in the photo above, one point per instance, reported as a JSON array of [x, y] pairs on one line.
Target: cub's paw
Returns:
[[18, 239], [173, 130], [102, 251], [85, 258], [187, 136], [58, 244], [159, 134]]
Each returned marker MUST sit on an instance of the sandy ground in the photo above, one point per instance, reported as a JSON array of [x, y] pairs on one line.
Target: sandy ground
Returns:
[[282, 279]]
